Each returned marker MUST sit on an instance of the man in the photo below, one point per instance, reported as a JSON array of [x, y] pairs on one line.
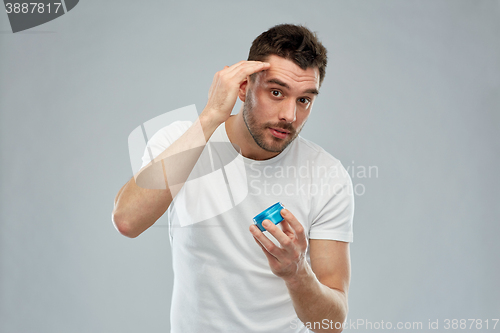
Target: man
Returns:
[[229, 277]]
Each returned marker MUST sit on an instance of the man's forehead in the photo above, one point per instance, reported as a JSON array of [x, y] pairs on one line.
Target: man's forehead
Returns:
[[287, 71]]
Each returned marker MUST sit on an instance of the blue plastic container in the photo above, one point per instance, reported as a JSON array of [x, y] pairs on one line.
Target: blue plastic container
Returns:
[[273, 214]]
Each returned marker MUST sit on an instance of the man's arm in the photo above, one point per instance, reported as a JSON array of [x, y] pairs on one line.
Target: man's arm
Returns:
[[145, 197], [318, 291]]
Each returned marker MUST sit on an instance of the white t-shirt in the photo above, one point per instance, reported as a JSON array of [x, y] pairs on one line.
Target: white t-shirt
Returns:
[[222, 279]]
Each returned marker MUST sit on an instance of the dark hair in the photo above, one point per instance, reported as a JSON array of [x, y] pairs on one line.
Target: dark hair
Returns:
[[292, 42]]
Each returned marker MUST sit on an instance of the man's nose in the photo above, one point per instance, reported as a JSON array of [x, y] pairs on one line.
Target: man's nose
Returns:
[[288, 111]]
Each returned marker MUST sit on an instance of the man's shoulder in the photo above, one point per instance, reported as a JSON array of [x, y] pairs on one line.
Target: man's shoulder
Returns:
[[309, 149]]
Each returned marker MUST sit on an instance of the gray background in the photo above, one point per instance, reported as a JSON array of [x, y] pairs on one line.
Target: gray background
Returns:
[[412, 88]]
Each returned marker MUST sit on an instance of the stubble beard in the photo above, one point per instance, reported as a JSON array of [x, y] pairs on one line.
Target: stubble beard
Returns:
[[259, 132]]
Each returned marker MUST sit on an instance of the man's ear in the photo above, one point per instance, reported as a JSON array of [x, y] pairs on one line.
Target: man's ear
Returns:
[[242, 93]]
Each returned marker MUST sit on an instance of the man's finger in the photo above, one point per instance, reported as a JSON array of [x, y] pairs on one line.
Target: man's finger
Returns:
[[245, 63], [277, 233], [242, 69], [268, 255], [245, 71], [287, 229], [266, 242], [297, 227]]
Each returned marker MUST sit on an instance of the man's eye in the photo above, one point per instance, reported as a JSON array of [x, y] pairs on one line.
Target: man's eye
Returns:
[[276, 93], [304, 100]]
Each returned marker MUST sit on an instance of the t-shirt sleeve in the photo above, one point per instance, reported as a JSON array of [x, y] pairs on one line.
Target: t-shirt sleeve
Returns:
[[162, 139], [333, 217]]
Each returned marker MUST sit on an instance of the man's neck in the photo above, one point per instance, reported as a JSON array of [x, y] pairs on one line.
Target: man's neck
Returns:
[[239, 135]]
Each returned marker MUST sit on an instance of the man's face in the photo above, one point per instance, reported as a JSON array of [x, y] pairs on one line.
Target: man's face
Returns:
[[278, 103]]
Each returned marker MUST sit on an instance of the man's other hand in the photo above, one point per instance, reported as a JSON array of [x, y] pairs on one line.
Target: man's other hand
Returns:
[[289, 259]]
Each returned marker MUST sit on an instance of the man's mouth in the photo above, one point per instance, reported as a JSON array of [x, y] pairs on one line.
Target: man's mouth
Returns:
[[279, 132]]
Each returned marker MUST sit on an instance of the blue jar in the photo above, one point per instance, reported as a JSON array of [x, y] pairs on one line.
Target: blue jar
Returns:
[[272, 213]]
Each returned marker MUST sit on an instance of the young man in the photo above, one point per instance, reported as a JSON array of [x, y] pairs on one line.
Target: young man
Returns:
[[228, 275]]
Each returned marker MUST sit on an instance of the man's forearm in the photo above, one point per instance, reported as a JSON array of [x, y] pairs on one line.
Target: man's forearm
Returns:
[[319, 307], [148, 195]]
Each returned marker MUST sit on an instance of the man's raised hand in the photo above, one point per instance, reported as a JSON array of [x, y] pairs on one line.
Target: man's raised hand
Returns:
[[225, 87]]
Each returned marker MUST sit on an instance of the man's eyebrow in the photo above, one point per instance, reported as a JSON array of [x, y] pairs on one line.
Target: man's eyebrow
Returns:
[[278, 82], [313, 91]]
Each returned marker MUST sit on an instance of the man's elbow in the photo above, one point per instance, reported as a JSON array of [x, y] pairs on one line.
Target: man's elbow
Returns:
[[343, 315], [123, 226]]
